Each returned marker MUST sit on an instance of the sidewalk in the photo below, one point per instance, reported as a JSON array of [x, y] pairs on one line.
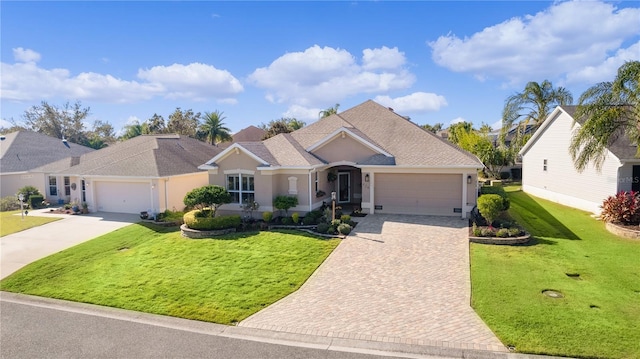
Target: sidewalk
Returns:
[[21, 248]]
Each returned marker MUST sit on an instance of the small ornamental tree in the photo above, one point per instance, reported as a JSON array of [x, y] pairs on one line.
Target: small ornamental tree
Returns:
[[623, 208], [490, 206], [283, 203], [28, 191], [211, 196]]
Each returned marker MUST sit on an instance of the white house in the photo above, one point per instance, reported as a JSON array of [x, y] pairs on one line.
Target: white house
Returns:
[[549, 171]]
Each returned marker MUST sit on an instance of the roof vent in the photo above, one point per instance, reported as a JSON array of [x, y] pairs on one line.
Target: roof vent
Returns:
[[390, 109]]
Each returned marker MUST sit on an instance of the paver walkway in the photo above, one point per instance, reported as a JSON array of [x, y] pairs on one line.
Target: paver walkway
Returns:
[[402, 279]]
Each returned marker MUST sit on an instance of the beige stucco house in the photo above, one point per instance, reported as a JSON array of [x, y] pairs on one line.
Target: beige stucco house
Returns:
[[146, 173], [381, 162], [22, 152], [548, 171]]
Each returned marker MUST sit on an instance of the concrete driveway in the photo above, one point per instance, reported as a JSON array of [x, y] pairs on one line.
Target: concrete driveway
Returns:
[[402, 279], [22, 248]]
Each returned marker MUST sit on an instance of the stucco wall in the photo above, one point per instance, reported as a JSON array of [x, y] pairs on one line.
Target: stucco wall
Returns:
[[177, 187], [343, 149], [561, 182], [11, 183]]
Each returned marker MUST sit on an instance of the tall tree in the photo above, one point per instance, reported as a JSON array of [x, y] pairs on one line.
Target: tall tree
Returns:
[[184, 122], [62, 122], [531, 107], [156, 124], [132, 130], [282, 125], [330, 111], [433, 128], [609, 110], [101, 135], [457, 130], [213, 127]]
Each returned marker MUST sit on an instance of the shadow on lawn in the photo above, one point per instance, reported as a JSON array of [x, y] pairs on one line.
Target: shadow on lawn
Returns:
[[536, 220]]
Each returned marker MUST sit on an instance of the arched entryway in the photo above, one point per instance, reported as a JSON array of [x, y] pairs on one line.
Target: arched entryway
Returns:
[[347, 184]]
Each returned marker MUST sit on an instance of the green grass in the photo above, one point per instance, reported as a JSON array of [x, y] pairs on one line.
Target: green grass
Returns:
[[599, 317], [12, 223], [146, 268]]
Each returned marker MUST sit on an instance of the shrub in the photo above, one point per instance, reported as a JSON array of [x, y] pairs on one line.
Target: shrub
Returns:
[[283, 203], [490, 206], [207, 196], [514, 231], [9, 203], [28, 191], [267, 216], [502, 232], [322, 227], [505, 175], [344, 229], [295, 217], [476, 231], [623, 208], [308, 220], [202, 221], [487, 232], [345, 218], [35, 200], [287, 221], [506, 203], [331, 230]]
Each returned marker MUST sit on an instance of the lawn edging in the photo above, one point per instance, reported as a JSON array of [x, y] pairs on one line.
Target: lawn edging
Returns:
[[622, 231], [199, 234], [501, 241]]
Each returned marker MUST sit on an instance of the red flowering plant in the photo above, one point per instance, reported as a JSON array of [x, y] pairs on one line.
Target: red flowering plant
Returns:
[[623, 208]]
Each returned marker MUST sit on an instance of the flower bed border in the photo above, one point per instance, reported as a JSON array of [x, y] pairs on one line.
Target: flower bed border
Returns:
[[622, 232], [198, 234], [500, 240]]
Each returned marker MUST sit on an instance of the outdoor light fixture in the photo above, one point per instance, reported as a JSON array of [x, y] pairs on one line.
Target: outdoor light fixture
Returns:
[[366, 177], [469, 179]]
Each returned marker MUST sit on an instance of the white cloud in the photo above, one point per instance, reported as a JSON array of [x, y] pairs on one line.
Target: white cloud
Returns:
[[457, 120], [302, 113], [25, 55], [416, 102], [195, 81], [383, 58], [26, 81], [607, 70], [325, 75], [566, 37]]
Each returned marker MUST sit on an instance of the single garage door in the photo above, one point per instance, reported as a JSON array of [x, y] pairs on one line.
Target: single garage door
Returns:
[[433, 194], [123, 197]]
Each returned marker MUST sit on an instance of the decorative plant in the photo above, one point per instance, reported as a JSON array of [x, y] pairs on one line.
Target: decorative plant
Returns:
[[320, 193], [623, 208], [295, 217], [490, 206], [332, 176], [211, 196], [267, 216], [283, 203]]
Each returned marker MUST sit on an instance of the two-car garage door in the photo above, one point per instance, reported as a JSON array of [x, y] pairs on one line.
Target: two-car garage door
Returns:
[[433, 194], [122, 197]]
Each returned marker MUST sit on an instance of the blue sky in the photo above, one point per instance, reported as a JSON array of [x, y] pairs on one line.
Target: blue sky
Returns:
[[259, 61]]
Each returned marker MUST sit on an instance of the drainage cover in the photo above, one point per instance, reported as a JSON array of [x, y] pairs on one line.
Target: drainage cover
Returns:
[[573, 275], [552, 293]]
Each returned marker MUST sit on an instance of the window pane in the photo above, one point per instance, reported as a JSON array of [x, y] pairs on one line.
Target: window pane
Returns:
[[67, 181], [235, 196], [247, 197], [53, 191], [247, 183], [233, 183], [52, 181]]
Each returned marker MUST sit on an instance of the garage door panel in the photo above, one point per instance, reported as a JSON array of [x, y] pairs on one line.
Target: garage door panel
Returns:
[[123, 197], [434, 194]]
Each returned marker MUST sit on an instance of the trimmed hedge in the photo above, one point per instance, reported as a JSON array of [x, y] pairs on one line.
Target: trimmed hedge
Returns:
[[506, 203], [194, 221], [35, 201]]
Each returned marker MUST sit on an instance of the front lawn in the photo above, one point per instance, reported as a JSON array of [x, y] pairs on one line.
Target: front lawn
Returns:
[[152, 269], [599, 316], [12, 222]]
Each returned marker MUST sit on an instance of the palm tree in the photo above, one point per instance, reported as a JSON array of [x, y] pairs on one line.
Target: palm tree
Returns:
[[330, 111], [531, 107], [213, 127], [609, 110]]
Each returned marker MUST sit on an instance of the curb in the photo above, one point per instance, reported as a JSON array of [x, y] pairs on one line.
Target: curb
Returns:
[[261, 335]]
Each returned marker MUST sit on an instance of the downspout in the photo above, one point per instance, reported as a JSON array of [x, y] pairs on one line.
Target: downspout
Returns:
[[166, 194], [464, 195], [310, 196]]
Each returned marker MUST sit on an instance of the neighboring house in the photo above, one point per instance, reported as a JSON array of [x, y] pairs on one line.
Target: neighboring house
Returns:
[[146, 173], [23, 151], [248, 134], [381, 162], [549, 172]]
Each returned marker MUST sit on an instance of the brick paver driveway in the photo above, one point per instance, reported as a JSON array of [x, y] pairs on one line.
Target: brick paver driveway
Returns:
[[401, 279]]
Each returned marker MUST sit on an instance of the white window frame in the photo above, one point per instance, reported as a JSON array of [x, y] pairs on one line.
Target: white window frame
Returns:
[[53, 188], [241, 191], [317, 181], [67, 186]]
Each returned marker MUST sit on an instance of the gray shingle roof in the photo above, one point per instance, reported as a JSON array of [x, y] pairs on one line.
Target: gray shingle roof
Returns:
[[145, 156], [26, 150], [248, 134]]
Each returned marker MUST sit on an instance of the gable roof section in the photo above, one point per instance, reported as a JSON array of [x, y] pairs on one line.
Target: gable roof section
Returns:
[[143, 156], [622, 147], [255, 150], [353, 133], [22, 151], [248, 134]]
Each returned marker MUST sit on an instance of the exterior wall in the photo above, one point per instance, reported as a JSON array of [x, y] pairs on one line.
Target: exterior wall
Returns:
[[11, 183], [236, 162], [625, 177], [430, 194], [561, 182], [472, 190], [343, 149], [172, 191], [280, 187]]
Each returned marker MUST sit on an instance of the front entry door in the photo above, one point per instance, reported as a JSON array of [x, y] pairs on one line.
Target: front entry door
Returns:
[[635, 183], [344, 188]]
